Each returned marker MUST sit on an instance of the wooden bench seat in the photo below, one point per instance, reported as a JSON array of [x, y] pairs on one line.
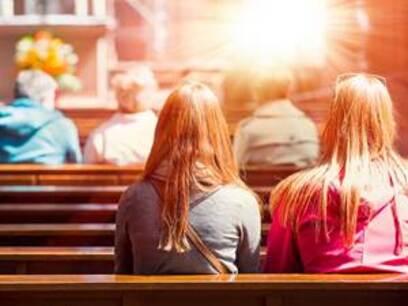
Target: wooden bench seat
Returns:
[[67, 229], [255, 176], [204, 290], [66, 234], [56, 253], [67, 212], [59, 260], [69, 174], [77, 194], [60, 194], [57, 213], [56, 260]]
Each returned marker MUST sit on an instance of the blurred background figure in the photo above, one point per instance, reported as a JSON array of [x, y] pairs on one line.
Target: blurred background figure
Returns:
[[277, 133], [127, 137], [213, 80], [31, 131]]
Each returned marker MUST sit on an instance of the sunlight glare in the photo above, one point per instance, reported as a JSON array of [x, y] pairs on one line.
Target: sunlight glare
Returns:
[[270, 30]]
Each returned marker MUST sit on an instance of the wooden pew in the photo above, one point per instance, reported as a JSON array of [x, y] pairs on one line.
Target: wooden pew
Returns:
[[64, 223], [60, 194], [67, 213], [256, 176], [66, 234], [57, 213], [86, 120], [76, 194], [56, 260], [60, 260], [103, 175], [69, 174], [60, 234], [204, 290]]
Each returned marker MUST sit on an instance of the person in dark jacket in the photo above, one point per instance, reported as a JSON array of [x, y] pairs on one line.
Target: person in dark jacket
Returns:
[[31, 130]]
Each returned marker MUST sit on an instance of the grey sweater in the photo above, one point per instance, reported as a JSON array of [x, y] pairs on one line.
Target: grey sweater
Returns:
[[227, 220]]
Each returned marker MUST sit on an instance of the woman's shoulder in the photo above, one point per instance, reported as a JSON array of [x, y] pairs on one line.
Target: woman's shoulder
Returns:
[[237, 194], [234, 189], [304, 179], [307, 183], [140, 191]]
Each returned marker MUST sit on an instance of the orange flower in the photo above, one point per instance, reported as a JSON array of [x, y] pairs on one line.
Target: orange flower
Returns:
[[43, 35], [50, 54], [54, 64], [30, 60]]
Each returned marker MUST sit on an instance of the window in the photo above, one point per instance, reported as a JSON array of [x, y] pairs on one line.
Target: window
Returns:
[[48, 7]]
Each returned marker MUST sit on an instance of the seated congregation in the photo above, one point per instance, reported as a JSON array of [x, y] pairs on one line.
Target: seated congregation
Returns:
[[127, 137], [191, 213]]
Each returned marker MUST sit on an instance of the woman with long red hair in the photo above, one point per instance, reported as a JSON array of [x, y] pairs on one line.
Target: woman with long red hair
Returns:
[[350, 213], [191, 213]]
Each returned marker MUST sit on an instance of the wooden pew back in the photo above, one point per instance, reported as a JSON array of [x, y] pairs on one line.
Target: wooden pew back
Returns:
[[69, 174], [103, 175], [56, 260], [75, 194], [61, 194], [203, 290]]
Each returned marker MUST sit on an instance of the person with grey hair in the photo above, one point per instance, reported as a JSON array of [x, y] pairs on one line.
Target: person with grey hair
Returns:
[[31, 130], [127, 137], [278, 133]]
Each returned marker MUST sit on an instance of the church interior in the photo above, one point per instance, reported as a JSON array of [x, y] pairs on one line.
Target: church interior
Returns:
[[99, 97]]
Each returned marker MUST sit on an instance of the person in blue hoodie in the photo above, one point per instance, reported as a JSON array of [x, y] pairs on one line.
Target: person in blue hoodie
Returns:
[[31, 130]]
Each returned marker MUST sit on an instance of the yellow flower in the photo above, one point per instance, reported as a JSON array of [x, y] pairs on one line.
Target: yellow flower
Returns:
[[30, 60], [54, 64], [52, 55], [56, 43], [43, 35]]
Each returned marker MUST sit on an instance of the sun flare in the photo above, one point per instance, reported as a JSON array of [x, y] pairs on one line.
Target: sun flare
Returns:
[[269, 30]]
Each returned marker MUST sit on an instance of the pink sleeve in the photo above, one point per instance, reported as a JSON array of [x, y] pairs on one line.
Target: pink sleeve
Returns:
[[282, 253]]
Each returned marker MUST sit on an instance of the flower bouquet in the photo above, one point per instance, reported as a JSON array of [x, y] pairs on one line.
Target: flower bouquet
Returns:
[[50, 54]]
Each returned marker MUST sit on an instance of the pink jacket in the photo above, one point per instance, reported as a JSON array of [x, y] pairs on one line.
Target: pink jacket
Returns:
[[380, 241]]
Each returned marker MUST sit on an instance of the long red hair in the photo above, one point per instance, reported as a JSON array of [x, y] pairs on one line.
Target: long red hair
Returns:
[[192, 143], [358, 153]]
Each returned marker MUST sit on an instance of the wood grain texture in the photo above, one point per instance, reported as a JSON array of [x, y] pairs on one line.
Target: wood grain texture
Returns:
[[59, 260], [56, 253], [250, 282], [57, 213], [78, 194], [102, 175], [69, 229]]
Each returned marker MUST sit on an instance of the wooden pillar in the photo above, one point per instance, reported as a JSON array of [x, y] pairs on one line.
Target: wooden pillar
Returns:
[[7, 8], [99, 7], [81, 7], [159, 30], [102, 68]]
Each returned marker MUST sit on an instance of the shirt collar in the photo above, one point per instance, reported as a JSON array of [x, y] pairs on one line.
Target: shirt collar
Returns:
[[134, 116], [279, 108], [25, 102]]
